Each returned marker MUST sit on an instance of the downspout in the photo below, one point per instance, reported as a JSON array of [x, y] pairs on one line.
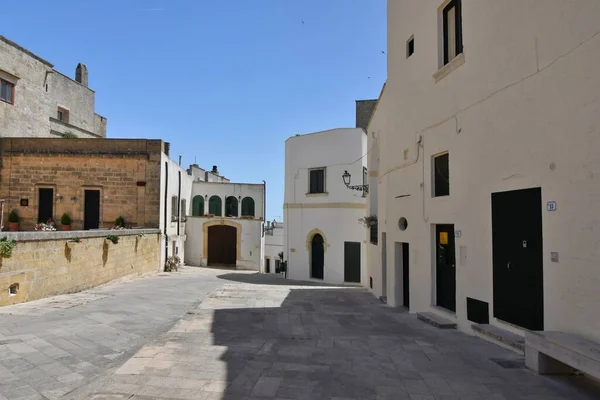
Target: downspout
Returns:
[[179, 205], [264, 216], [165, 210]]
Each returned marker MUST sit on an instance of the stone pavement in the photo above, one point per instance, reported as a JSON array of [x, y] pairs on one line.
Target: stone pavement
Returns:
[[51, 346], [261, 337]]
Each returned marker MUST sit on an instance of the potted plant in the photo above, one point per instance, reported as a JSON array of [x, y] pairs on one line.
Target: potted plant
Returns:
[[6, 247], [65, 222], [111, 239], [13, 221], [120, 222], [368, 221], [172, 263]]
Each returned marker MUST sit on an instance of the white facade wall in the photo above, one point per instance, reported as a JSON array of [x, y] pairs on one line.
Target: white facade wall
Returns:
[[521, 111], [334, 214], [251, 248], [274, 246], [175, 225]]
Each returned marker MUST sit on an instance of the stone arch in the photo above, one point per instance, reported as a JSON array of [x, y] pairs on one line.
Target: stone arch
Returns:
[[238, 228], [310, 236]]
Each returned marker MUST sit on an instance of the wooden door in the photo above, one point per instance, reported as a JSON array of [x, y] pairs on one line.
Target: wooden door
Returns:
[[222, 245], [91, 209], [45, 204], [352, 262], [445, 267]]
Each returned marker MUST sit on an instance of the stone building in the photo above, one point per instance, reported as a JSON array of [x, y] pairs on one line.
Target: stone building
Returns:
[[486, 141], [38, 101], [226, 224]]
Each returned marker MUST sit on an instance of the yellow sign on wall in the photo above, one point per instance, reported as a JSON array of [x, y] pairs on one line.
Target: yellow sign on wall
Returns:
[[443, 237]]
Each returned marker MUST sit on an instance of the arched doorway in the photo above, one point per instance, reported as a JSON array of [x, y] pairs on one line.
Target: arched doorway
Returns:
[[317, 257], [222, 245]]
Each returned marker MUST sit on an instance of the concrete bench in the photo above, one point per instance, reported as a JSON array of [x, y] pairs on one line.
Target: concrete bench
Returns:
[[555, 353]]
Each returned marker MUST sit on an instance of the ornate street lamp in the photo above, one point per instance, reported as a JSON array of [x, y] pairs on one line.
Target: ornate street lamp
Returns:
[[346, 177]]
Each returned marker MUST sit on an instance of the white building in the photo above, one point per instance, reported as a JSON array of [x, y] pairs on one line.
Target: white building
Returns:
[[487, 164], [323, 238], [273, 246], [176, 189], [225, 224]]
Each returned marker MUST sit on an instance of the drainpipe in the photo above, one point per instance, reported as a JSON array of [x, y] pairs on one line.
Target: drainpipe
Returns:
[[165, 210], [264, 215], [179, 205]]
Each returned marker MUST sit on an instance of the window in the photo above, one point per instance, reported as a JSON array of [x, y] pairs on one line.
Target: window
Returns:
[[214, 205], [183, 209], [198, 206], [317, 181], [231, 206], [174, 208], [247, 207], [62, 115], [441, 177], [373, 234], [410, 47], [7, 91], [452, 28]]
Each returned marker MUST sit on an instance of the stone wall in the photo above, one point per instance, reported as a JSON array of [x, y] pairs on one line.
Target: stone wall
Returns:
[[43, 265], [127, 173]]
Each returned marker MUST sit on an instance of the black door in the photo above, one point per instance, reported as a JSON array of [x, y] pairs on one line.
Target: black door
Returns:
[[267, 265], [317, 257], [91, 209], [352, 262], [445, 267], [518, 257], [222, 245], [405, 277], [45, 204]]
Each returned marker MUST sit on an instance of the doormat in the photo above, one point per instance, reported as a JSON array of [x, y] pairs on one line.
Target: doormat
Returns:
[[509, 363]]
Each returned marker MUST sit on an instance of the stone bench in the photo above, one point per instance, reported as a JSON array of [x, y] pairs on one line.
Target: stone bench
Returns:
[[555, 353]]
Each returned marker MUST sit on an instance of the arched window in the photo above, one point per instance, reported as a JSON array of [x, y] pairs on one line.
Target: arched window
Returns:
[[231, 206], [214, 205], [198, 206], [248, 207]]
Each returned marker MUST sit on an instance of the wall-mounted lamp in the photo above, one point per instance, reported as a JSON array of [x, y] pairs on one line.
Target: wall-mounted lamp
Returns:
[[74, 199], [346, 177], [58, 197]]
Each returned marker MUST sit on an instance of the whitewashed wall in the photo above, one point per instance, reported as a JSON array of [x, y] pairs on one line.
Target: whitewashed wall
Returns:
[[335, 213], [522, 111], [274, 246]]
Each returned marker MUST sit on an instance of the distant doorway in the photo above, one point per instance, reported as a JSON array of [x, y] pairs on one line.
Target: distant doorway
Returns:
[[445, 267], [267, 265], [383, 267], [222, 245], [91, 209], [401, 256], [317, 257], [352, 262], [45, 204]]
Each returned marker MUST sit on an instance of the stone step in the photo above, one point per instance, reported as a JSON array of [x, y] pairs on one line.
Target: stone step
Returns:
[[500, 336], [436, 320]]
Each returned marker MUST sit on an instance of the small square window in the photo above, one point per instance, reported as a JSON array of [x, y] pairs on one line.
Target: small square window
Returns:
[[317, 180], [62, 115], [7, 91], [452, 30], [441, 175], [410, 47]]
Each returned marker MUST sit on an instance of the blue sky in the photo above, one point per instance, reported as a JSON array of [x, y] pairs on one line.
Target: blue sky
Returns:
[[225, 81]]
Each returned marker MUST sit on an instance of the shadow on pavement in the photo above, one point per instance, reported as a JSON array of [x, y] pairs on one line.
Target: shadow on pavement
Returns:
[[273, 279]]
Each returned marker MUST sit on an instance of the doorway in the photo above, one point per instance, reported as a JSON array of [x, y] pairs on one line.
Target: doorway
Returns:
[[401, 257], [267, 265], [383, 267], [45, 204], [91, 209], [445, 272], [517, 248], [222, 245], [352, 262], [317, 257]]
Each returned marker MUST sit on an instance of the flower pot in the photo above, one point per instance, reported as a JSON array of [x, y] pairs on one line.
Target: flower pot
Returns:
[[65, 227], [13, 226]]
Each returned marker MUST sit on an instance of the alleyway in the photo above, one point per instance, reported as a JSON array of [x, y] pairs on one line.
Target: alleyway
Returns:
[[252, 337]]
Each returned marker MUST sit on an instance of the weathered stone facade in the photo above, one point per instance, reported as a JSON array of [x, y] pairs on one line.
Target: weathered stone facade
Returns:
[[125, 171], [364, 111], [39, 92], [43, 265]]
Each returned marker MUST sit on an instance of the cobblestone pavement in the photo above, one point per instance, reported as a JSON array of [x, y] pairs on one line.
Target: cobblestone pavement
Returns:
[[51, 346], [261, 337]]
